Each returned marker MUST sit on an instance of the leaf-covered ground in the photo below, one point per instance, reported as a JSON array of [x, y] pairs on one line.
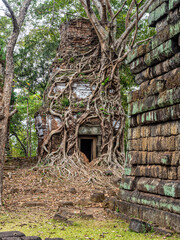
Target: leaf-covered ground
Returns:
[[31, 199]]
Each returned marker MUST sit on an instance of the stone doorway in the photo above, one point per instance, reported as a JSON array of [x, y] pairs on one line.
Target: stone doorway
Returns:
[[87, 145]]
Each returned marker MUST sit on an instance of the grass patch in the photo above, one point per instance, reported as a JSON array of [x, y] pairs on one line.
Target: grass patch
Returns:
[[34, 222]]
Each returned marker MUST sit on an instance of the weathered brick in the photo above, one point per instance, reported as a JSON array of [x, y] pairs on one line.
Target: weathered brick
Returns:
[[159, 202], [134, 145], [173, 16], [157, 14], [161, 53], [169, 189], [138, 65], [129, 171], [177, 143], [136, 53], [152, 171], [178, 174], [172, 173], [156, 4], [175, 158], [159, 115], [165, 98], [128, 183], [155, 216], [148, 185], [173, 4], [134, 157], [144, 158], [144, 144]]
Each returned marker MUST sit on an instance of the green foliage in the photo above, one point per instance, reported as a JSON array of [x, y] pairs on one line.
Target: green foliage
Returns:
[[65, 102], [72, 59], [18, 122], [60, 60], [104, 111], [105, 81], [81, 104]]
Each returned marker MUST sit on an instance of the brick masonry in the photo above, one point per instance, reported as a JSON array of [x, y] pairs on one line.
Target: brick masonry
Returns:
[[150, 187]]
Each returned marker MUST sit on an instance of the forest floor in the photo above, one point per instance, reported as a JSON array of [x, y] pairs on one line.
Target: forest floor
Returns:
[[32, 198]]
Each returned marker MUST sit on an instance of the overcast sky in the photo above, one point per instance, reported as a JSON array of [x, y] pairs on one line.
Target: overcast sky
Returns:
[[1, 6]]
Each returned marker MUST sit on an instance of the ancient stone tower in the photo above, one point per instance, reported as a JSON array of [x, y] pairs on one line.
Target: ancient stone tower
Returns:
[[73, 117], [150, 188]]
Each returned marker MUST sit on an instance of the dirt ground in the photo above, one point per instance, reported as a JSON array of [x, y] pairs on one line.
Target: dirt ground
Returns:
[[27, 187]]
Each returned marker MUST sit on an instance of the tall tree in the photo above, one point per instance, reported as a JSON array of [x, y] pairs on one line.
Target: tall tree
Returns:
[[17, 22]]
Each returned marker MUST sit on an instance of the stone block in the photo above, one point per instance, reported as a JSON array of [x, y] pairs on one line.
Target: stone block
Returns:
[[144, 144], [151, 200], [172, 173], [148, 185], [138, 65], [128, 183], [134, 145], [164, 99], [159, 115], [136, 53], [177, 143], [31, 238], [97, 197], [143, 158], [178, 173], [11, 234], [11, 238], [169, 189], [161, 24], [175, 158], [152, 171], [173, 4], [139, 226], [161, 53], [156, 4], [159, 69], [165, 158], [158, 217], [134, 157], [134, 133], [157, 14], [173, 16]]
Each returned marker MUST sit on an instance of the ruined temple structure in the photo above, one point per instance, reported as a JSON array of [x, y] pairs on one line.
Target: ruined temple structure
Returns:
[[73, 81], [150, 188]]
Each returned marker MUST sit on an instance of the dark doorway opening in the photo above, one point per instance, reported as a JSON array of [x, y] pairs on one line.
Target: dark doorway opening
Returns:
[[86, 148]]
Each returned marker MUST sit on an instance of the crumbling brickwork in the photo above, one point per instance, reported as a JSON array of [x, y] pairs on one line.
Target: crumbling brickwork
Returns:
[[150, 188], [78, 38]]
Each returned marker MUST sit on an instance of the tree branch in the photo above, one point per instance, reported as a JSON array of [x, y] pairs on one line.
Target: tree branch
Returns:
[[22, 145], [100, 31], [12, 15], [13, 112], [118, 11], [23, 12], [133, 24]]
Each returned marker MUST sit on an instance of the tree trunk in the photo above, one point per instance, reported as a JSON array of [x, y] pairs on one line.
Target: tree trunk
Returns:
[[9, 73], [22, 145], [30, 135], [27, 130]]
